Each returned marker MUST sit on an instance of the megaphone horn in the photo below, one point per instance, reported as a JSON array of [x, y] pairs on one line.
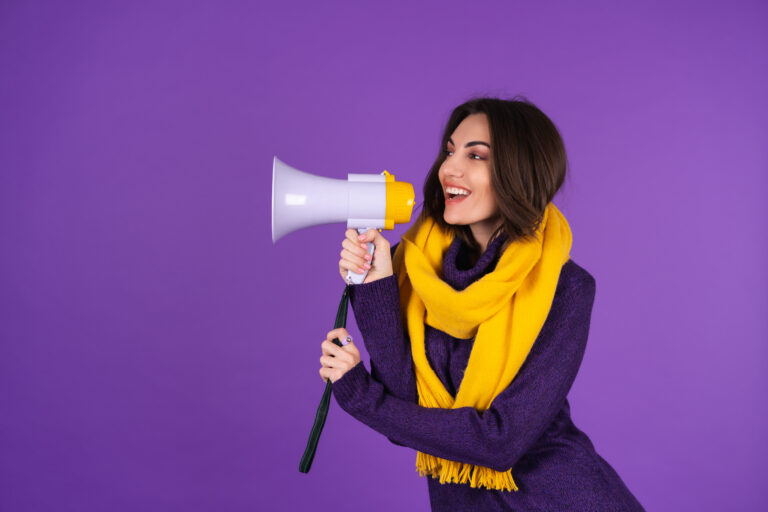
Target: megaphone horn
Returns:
[[363, 201]]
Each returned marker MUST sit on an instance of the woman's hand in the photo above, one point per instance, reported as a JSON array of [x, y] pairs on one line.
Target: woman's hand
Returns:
[[337, 360], [355, 255]]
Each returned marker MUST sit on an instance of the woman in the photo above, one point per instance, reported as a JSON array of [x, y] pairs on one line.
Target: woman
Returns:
[[476, 324]]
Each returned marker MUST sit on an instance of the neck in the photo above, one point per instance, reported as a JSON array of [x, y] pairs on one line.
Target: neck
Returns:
[[482, 233]]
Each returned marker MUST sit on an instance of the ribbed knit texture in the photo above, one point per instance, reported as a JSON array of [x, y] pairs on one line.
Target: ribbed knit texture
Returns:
[[528, 426]]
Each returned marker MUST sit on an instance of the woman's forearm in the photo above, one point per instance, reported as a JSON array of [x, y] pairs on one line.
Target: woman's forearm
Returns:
[[377, 312]]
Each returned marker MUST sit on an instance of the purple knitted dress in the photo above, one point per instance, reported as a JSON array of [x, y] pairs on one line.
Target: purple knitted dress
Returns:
[[528, 426]]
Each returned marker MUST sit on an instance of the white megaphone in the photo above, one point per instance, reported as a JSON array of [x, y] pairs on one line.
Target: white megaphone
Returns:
[[363, 201]]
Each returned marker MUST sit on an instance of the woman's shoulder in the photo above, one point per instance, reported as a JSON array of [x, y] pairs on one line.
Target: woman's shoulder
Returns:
[[574, 276], [571, 308]]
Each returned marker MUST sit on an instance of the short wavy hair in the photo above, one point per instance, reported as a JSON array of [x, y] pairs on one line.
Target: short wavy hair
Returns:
[[528, 166]]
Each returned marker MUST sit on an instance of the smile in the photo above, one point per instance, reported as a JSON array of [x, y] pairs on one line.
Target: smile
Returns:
[[455, 193]]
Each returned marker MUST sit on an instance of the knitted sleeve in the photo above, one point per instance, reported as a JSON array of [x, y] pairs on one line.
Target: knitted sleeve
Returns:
[[517, 417], [377, 313]]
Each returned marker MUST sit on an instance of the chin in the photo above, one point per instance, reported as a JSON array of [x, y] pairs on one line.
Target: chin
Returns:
[[453, 221]]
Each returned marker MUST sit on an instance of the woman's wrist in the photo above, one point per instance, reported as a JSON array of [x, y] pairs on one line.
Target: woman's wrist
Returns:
[[349, 388]]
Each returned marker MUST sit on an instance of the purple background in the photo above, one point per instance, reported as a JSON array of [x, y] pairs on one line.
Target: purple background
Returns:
[[158, 352]]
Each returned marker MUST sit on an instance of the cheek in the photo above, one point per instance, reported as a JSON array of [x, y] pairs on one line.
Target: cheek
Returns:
[[489, 201], [487, 189]]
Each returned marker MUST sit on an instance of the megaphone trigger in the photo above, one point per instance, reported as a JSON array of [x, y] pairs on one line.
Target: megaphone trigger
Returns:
[[354, 277]]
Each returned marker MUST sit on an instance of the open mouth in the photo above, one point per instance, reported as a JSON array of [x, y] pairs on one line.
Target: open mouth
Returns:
[[455, 197]]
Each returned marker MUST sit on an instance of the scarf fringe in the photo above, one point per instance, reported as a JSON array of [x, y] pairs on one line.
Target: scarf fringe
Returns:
[[459, 472]]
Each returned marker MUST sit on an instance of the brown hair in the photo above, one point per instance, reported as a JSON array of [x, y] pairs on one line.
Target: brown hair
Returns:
[[528, 166]]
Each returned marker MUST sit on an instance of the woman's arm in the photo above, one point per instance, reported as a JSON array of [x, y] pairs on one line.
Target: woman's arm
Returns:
[[377, 313], [517, 417]]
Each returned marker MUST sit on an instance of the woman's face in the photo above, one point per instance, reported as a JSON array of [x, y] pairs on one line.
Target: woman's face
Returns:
[[467, 166]]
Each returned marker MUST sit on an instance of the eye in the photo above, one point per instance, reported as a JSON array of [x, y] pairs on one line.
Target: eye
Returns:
[[473, 156]]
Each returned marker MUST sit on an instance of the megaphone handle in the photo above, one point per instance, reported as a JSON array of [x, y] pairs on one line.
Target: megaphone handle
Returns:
[[354, 277]]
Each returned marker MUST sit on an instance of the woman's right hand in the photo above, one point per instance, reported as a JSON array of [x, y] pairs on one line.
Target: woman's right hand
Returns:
[[354, 255]]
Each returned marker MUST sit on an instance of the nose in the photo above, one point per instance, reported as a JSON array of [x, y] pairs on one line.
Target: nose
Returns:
[[451, 171]]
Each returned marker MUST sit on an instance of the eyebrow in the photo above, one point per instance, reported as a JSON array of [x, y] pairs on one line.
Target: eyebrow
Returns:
[[473, 143]]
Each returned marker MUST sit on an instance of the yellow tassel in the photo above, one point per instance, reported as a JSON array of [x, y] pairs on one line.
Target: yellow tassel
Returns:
[[475, 474], [448, 471]]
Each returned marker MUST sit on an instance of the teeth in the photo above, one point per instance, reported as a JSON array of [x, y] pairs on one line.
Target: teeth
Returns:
[[458, 191]]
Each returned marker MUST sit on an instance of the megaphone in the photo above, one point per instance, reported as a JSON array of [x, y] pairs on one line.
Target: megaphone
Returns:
[[362, 201]]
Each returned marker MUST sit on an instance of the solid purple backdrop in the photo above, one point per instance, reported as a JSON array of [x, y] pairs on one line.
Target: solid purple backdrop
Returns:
[[160, 353]]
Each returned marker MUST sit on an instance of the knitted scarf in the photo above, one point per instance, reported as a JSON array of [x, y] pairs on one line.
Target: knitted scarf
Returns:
[[504, 311]]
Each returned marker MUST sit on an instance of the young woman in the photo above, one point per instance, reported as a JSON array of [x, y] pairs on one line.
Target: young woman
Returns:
[[476, 323]]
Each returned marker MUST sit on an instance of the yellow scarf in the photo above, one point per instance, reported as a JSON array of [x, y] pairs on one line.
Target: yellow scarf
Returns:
[[505, 310]]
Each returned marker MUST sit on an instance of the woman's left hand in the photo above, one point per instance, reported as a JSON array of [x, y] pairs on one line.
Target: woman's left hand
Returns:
[[337, 360]]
